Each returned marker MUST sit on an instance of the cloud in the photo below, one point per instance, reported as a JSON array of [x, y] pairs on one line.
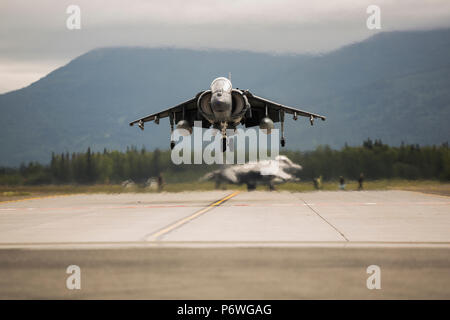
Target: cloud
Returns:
[[35, 33]]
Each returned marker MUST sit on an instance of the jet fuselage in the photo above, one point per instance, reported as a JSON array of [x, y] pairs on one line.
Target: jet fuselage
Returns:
[[221, 99]]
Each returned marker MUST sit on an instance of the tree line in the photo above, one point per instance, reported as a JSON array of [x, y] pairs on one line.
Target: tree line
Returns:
[[373, 158]]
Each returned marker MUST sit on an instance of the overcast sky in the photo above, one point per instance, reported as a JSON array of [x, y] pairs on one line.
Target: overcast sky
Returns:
[[34, 39]]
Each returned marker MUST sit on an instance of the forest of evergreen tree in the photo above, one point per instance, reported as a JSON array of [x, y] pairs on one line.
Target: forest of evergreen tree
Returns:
[[373, 158]]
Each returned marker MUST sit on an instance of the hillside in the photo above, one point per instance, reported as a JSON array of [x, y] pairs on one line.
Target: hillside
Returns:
[[393, 86]]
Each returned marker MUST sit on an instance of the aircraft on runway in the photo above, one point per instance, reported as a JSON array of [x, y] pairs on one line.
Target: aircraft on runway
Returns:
[[265, 172], [224, 108]]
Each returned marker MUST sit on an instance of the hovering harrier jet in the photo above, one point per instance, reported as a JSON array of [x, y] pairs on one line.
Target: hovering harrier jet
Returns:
[[268, 172], [224, 108]]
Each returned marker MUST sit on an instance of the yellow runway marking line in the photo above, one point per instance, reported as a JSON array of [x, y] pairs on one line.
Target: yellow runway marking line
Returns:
[[155, 236], [39, 198]]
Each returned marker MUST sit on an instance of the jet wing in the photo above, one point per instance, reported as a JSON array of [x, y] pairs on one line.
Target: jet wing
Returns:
[[258, 109], [186, 110]]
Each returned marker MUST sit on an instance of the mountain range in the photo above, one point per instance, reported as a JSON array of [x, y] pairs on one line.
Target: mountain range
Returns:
[[394, 86]]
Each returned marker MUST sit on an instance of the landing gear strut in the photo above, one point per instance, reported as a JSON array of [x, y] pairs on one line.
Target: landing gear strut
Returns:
[[283, 140], [171, 120], [224, 144], [223, 128]]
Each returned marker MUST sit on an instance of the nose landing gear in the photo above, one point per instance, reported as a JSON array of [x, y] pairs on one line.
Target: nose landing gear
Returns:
[[223, 129], [224, 144]]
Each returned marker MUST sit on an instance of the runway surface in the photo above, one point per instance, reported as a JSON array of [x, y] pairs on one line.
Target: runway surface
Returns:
[[225, 244]]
